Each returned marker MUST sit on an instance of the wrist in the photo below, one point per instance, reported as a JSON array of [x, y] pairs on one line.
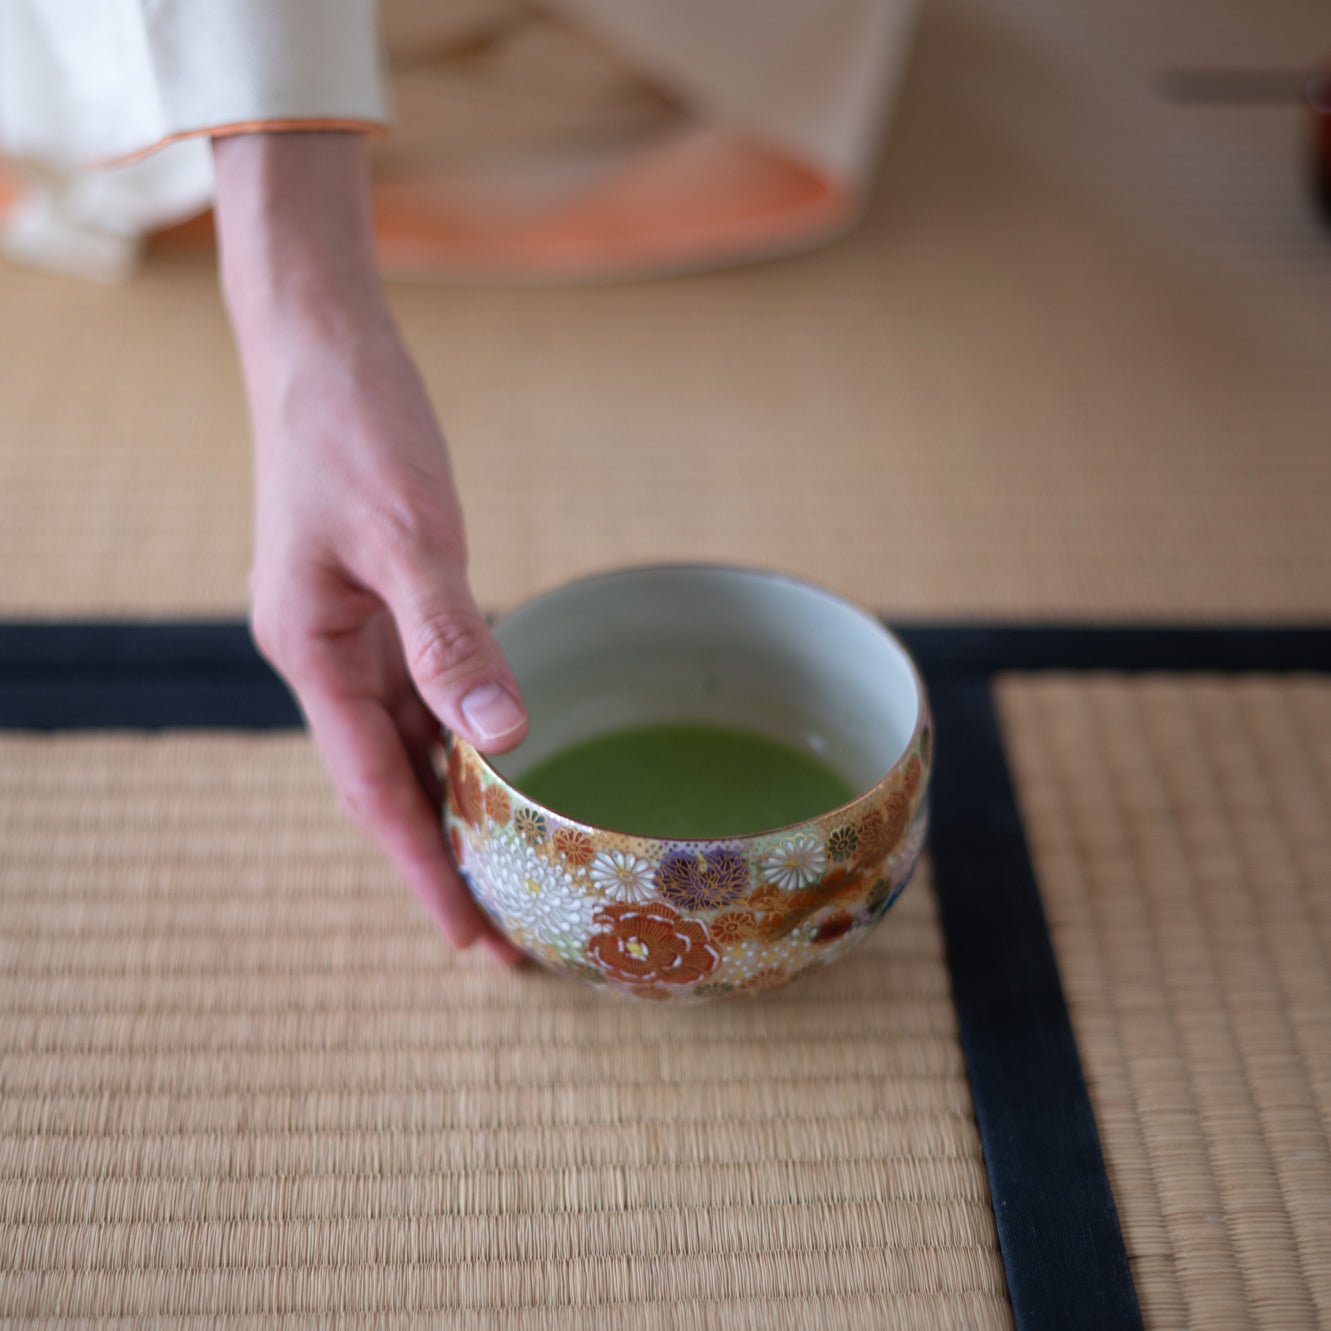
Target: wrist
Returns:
[[296, 242]]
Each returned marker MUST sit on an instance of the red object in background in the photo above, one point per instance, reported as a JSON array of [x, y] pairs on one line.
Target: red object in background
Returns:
[[1319, 101], [1267, 87]]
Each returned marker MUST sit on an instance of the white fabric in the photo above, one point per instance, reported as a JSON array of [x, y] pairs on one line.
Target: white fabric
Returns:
[[809, 76], [86, 82], [91, 223]]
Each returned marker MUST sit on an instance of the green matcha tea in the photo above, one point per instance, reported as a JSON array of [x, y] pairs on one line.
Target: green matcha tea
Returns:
[[692, 782]]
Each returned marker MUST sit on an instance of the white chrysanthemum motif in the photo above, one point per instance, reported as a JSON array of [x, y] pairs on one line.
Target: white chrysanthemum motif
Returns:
[[798, 861], [622, 876], [529, 892]]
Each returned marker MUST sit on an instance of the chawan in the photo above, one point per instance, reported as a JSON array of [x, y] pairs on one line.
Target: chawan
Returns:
[[658, 918]]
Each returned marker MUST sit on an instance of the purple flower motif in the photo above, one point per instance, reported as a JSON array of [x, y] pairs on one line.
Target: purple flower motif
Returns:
[[702, 880]]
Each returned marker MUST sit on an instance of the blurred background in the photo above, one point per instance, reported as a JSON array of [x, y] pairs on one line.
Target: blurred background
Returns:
[[1061, 352]]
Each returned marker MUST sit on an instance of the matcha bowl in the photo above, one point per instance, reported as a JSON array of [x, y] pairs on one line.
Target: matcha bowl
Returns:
[[724, 784]]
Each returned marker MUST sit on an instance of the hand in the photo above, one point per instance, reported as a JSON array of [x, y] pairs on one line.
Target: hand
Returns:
[[359, 589]]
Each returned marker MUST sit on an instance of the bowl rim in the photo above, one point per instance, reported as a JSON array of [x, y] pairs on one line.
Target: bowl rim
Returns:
[[923, 716]]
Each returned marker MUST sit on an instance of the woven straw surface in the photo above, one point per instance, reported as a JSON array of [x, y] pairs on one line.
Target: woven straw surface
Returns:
[[1072, 363], [1020, 387], [1182, 834], [240, 1074]]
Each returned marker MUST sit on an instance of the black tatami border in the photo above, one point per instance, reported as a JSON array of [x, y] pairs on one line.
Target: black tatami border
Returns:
[[206, 674], [1058, 1227]]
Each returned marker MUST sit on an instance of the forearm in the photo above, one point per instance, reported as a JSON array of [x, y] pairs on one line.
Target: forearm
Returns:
[[297, 247], [359, 593]]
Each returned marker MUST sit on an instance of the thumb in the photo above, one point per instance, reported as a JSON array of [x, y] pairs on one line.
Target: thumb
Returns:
[[454, 661]]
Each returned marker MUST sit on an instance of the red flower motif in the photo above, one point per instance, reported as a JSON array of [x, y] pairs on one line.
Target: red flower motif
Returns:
[[734, 926], [835, 926], [896, 814], [766, 898], [781, 913], [576, 847], [882, 829], [464, 790], [497, 804], [649, 945]]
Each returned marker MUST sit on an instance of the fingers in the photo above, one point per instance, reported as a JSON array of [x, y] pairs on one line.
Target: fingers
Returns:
[[453, 659], [379, 790], [502, 950], [419, 729], [421, 737]]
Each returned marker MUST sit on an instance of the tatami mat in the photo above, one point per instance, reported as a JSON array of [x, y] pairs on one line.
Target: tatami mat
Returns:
[[1033, 382], [1181, 830], [241, 1074], [1072, 364]]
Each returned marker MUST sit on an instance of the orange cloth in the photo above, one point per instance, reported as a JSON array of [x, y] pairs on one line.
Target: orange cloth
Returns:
[[582, 140]]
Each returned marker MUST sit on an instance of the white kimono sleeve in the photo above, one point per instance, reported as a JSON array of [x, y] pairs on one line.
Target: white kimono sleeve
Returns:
[[104, 83]]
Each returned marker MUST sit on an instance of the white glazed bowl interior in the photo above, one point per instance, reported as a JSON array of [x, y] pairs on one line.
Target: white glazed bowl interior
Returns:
[[729, 646]]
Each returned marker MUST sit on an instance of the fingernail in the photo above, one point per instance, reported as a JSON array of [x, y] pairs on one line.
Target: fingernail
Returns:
[[492, 712]]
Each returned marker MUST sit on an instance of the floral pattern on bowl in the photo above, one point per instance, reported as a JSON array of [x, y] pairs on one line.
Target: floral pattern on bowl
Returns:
[[685, 920]]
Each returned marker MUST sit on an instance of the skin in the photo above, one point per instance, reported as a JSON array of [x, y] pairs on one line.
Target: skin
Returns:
[[359, 592]]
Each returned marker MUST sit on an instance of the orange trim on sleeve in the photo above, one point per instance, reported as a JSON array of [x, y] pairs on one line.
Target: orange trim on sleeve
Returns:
[[293, 125]]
